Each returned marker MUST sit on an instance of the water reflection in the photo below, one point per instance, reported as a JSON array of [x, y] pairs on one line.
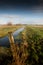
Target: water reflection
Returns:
[[5, 41]]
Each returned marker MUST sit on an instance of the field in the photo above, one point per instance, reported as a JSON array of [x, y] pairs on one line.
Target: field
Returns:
[[4, 29], [33, 53], [33, 34], [34, 38]]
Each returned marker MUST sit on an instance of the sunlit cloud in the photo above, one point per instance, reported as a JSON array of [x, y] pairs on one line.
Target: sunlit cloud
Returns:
[[20, 19]]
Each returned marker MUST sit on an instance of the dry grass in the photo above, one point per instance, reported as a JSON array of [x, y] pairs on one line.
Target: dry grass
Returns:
[[4, 29]]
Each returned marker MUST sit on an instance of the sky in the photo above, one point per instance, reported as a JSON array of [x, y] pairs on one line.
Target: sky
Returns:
[[21, 12]]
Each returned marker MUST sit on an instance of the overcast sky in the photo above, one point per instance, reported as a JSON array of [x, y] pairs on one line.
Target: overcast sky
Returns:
[[23, 12]]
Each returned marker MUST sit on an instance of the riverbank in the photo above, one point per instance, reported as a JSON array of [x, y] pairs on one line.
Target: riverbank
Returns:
[[5, 29]]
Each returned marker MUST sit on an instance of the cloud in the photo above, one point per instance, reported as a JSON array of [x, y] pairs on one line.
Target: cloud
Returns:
[[22, 19]]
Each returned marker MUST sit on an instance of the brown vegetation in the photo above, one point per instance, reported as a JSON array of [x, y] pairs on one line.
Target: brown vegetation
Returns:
[[4, 29], [19, 52]]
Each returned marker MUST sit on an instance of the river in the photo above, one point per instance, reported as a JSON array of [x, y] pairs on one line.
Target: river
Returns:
[[5, 41]]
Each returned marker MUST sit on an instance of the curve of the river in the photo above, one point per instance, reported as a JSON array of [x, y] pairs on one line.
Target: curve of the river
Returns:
[[5, 41]]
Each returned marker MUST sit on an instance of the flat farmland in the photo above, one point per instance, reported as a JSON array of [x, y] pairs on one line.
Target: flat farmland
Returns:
[[4, 29]]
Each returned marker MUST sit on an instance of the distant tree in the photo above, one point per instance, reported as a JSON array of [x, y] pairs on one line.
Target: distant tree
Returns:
[[9, 23]]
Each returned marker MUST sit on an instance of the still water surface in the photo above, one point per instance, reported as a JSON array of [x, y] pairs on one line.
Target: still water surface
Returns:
[[5, 41]]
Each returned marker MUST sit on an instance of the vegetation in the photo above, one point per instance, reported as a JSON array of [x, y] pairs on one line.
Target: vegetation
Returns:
[[5, 56], [29, 55], [35, 43], [34, 38], [4, 29]]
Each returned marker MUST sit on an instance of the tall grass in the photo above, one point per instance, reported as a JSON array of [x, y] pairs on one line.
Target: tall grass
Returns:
[[35, 44]]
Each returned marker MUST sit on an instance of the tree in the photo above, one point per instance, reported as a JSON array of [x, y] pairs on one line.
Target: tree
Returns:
[[9, 23]]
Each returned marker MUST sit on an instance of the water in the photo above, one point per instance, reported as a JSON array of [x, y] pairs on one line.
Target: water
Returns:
[[5, 41], [18, 31]]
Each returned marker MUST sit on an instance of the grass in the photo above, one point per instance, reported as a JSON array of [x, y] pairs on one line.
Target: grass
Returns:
[[34, 38], [5, 29], [37, 29]]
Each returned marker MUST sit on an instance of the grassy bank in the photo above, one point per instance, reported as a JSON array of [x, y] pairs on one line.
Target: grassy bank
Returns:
[[4, 29], [34, 37]]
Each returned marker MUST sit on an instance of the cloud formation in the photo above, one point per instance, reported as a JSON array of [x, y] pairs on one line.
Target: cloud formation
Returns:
[[20, 19]]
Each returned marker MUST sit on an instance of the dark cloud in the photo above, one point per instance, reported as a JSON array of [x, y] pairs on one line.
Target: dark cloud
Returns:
[[21, 4]]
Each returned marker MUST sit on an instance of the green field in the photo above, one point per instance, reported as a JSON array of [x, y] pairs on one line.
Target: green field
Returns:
[[33, 35], [34, 38]]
